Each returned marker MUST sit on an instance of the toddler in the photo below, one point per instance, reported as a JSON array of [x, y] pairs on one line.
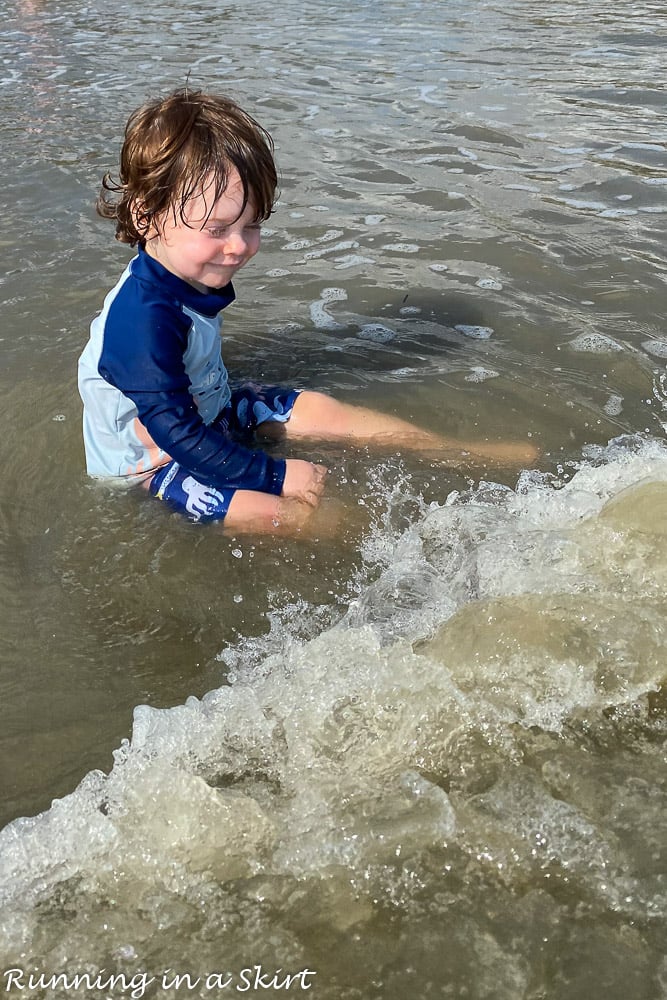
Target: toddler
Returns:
[[197, 179]]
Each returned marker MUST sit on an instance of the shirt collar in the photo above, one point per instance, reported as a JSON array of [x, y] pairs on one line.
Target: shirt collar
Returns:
[[208, 303]]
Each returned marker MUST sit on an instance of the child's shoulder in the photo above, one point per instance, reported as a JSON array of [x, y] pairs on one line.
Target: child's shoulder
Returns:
[[139, 309]]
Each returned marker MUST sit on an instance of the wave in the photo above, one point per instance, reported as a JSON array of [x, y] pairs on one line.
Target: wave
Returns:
[[463, 729]]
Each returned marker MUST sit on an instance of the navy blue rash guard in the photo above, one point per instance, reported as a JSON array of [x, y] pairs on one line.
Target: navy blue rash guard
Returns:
[[153, 384]]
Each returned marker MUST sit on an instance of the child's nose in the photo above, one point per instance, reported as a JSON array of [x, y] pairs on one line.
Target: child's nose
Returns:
[[236, 244]]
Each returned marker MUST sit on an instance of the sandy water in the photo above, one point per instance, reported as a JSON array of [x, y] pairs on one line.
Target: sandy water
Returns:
[[425, 758]]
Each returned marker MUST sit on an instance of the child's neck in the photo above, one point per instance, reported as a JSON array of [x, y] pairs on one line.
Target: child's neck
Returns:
[[152, 248]]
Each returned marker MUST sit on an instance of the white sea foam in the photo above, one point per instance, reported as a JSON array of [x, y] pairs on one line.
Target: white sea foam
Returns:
[[475, 332], [614, 405], [319, 314], [658, 348], [494, 607], [402, 247], [298, 244], [335, 248], [594, 343], [481, 374], [491, 283], [333, 295], [376, 331]]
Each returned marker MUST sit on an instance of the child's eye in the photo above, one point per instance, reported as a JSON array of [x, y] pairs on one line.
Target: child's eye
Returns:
[[219, 231]]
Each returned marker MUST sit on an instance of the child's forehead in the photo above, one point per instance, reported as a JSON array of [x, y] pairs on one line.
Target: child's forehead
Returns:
[[206, 202]]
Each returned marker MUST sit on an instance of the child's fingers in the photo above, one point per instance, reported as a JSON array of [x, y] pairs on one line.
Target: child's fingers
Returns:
[[314, 494], [304, 481]]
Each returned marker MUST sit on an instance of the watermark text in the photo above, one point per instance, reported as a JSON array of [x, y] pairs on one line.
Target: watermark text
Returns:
[[251, 980]]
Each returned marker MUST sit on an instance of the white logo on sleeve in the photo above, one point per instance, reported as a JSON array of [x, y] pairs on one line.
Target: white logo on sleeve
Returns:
[[201, 499]]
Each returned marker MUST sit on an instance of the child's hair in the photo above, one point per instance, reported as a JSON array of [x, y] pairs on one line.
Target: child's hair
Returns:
[[173, 147]]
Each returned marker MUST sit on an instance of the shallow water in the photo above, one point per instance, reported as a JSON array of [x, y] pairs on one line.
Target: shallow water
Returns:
[[430, 761]]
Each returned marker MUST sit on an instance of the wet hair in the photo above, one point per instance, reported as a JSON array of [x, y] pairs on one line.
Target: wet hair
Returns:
[[175, 146]]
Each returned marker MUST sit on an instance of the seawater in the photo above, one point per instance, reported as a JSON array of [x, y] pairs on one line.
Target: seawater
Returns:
[[424, 758]]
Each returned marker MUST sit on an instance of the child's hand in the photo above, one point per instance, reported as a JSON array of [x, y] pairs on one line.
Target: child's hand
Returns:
[[304, 481]]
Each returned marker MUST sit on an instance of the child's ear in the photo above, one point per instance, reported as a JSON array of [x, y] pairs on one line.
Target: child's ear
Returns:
[[137, 215], [144, 222]]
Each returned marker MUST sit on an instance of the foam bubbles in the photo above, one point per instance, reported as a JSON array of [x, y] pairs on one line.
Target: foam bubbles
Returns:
[[614, 406], [335, 248], [319, 313], [333, 295], [594, 343], [657, 348], [285, 328], [480, 374], [377, 332], [475, 332], [298, 244], [402, 247]]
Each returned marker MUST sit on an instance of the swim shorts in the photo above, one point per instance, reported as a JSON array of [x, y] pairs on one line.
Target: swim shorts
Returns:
[[249, 406]]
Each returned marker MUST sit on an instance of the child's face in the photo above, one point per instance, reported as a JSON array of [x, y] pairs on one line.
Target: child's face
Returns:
[[209, 247]]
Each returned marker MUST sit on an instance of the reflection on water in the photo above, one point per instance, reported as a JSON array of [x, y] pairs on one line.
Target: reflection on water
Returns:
[[434, 764]]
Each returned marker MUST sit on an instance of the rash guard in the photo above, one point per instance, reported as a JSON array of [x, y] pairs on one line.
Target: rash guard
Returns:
[[153, 384]]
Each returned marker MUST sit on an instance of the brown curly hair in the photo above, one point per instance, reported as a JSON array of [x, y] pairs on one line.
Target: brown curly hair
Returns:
[[173, 146]]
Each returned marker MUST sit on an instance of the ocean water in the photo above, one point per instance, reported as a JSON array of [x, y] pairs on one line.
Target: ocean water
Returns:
[[423, 758]]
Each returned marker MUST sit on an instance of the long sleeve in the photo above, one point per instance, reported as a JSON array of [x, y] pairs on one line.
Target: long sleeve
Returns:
[[172, 420], [158, 345]]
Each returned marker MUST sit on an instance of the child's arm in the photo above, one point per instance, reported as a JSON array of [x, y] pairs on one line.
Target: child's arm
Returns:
[[213, 457], [143, 357], [174, 423]]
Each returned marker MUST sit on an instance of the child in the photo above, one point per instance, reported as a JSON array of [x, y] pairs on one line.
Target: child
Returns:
[[197, 179]]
